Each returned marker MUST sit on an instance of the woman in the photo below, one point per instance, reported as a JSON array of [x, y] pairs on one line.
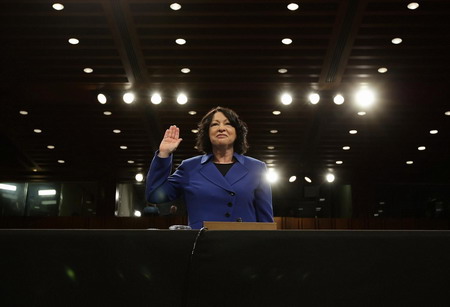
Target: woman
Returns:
[[223, 184]]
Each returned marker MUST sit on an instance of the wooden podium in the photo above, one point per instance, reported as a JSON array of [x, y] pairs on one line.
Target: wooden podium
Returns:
[[239, 226]]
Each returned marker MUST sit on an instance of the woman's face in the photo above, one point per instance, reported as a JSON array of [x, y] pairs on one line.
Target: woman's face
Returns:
[[221, 132]]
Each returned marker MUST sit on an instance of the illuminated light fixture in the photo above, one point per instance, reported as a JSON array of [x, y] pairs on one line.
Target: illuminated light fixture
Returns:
[[338, 99], [139, 177], [382, 70], [128, 98], [286, 41], [175, 6], [447, 113], [23, 112], [292, 6], [365, 98], [270, 147], [421, 148], [346, 148], [107, 113], [58, 6], [194, 130], [413, 5], [185, 70], [130, 161], [272, 175], [116, 131], [37, 131], [314, 98], [50, 146], [307, 179], [330, 177], [282, 70], [123, 147], [8, 187], [34, 169], [286, 99], [102, 98], [47, 192], [192, 112], [292, 178], [74, 41], [361, 113], [273, 131], [182, 99], [269, 161], [137, 213], [276, 112], [409, 162], [88, 70], [433, 131], [156, 98], [353, 131], [180, 41], [396, 40], [61, 161], [339, 162]]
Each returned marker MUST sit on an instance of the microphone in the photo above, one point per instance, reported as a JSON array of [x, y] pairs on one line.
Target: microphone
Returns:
[[239, 219]]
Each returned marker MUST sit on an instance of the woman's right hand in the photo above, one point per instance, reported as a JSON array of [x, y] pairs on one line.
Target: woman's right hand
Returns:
[[170, 142]]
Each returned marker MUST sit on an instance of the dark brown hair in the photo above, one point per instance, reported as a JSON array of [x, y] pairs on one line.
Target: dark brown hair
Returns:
[[204, 143]]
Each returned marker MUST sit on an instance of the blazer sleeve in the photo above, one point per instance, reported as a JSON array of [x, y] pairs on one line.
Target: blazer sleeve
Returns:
[[160, 185], [263, 199]]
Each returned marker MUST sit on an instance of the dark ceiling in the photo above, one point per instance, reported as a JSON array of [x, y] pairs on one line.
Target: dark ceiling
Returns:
[[234, 52]]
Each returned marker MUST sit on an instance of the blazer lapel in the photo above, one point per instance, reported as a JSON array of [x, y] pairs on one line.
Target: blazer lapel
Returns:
[[236, 172], [210, 172]]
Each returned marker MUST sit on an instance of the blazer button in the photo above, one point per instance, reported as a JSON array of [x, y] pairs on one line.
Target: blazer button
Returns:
[[232, 193], [229, 204], [227, 214]]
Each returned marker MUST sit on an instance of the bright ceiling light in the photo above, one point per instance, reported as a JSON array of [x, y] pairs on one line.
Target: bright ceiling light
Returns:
[[433, 131], [47, 192], [270, 147], [271, 175], [128, 98], [286, 41], [182, 99], [51, 146], [7, 187], [292, 178], [339, 162], [329, 177], [365, 97], [116, 131], [74, 41], [282, 70], [409, 162], [58, 6], [137, 213], [314, 98], [307, 179], [180, 41], [102, 98], [156, 98], [185, 70], [194, 130], [23, 112], [361, 113], [286, 99], [382, 70], [447, 113], [276, 112], [61, 161], [123, 147], [192, 112], [273, 131], [175, 6], [397, 40], [88, 70], [353, 131], [37, 131], [292, 6], [139, 177], [338, 99], [130, 161], [413, 5], [346, 148], [107, 113], [421, 148]]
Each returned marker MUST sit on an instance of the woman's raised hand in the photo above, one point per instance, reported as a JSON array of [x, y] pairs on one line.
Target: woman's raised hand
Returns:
[[170, 142]]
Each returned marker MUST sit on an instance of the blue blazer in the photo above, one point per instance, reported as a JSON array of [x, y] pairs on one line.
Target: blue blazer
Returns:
[[243, 193]]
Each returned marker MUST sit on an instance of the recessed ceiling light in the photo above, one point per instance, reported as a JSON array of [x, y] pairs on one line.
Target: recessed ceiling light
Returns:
[[433, 131], [286, 99], [346, 147], [330, 177], [192, 112], [37, 130], [292, 178], [74, 41], [276, 112], [156, 98], [361, 113], [338, 99], [139, 177], [194, 130], [102, 98], [23, 112], [58, 6], [447, 113], [130, 161], [273, 131], [35, 170], [314, 98], [128, 98], [339, 162], [396, 40], [50, 146], [180, 41], [88, 70], [185, 70], [413, 5], [409, 162], [271, 147], [175, 6], [292, 6], [421, 148], [353, 131], [182, 99], [107, 113], [286, 41], [282, 70], [307, 179], [61, 161], [117, 131], [123, 147], [382, 70]]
